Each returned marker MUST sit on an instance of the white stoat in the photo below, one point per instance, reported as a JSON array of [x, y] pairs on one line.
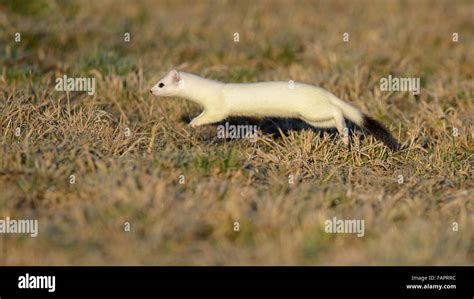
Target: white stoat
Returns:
[[312, 104]]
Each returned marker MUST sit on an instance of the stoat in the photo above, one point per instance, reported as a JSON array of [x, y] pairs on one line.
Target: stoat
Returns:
[[316, 106]]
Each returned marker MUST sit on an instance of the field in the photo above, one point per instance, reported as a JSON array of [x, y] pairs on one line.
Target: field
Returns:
[[120, 178]]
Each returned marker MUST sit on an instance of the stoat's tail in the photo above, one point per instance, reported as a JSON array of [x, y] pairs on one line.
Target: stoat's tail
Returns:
[[380, 132], [377, 129]]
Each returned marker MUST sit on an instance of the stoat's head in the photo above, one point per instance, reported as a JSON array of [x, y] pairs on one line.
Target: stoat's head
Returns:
[[167, 86]]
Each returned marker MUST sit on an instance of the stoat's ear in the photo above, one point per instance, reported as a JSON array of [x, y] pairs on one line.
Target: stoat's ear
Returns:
[[175, 76]]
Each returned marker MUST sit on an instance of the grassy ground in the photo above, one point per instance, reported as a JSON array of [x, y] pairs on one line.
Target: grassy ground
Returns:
[[135, 179]]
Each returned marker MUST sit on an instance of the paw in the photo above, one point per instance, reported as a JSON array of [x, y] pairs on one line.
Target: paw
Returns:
[[345, 139], [193, 124]]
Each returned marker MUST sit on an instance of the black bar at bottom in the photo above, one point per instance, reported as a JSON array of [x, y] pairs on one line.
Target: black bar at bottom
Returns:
[[223, 282]]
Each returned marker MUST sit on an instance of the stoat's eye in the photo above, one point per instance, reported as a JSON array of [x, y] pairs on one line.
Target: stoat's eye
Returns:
[[161, 85]]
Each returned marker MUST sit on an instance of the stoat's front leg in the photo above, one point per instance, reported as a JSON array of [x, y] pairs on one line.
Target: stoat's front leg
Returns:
[[206, 118]]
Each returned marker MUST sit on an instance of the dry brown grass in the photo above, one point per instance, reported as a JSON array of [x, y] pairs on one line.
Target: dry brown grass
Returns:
[[125, 179]]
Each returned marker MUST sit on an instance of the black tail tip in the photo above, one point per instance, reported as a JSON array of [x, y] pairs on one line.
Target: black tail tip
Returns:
[[379, 131]]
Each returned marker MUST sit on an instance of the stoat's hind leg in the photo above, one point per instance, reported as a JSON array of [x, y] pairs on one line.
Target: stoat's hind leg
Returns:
[[341, 127], [337, 121], [206, 118]]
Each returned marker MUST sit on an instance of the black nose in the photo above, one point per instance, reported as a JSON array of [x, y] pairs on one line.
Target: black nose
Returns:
[[151, 91]]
